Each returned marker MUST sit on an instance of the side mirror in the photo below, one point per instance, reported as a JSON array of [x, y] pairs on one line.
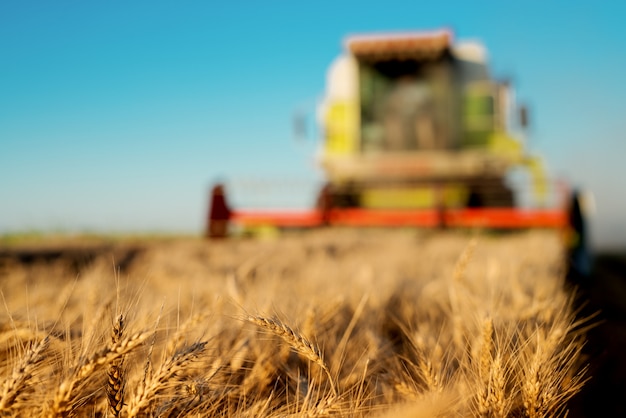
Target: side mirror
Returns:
[[523, 116], [299, 126]]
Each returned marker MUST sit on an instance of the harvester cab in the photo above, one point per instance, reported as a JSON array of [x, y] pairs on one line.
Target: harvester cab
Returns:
[[413, 121], [416, 133]]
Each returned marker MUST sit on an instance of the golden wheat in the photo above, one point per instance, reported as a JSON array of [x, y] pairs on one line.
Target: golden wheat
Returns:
[[392, 324]]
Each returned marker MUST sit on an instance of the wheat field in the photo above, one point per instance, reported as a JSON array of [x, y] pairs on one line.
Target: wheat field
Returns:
[[326, 323]]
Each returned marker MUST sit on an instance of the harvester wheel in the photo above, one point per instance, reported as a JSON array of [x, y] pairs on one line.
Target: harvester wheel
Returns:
[[324, 202], [342, 196], [329, 198], [346, 200], [492, 194]]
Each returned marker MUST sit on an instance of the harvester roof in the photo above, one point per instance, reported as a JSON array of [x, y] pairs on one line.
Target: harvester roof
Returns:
[[401, 46]]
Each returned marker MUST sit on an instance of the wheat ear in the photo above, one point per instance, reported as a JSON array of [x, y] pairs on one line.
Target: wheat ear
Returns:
[[61, 404], [464, 259], [22, 373], [148, 391], [297, 341], [115, 371], [490, 396]]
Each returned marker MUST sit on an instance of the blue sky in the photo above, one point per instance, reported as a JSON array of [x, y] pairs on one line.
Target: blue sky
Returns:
[[118, 116]]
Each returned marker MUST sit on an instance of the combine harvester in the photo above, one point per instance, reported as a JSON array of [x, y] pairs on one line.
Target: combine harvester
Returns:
[[417, 133]]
